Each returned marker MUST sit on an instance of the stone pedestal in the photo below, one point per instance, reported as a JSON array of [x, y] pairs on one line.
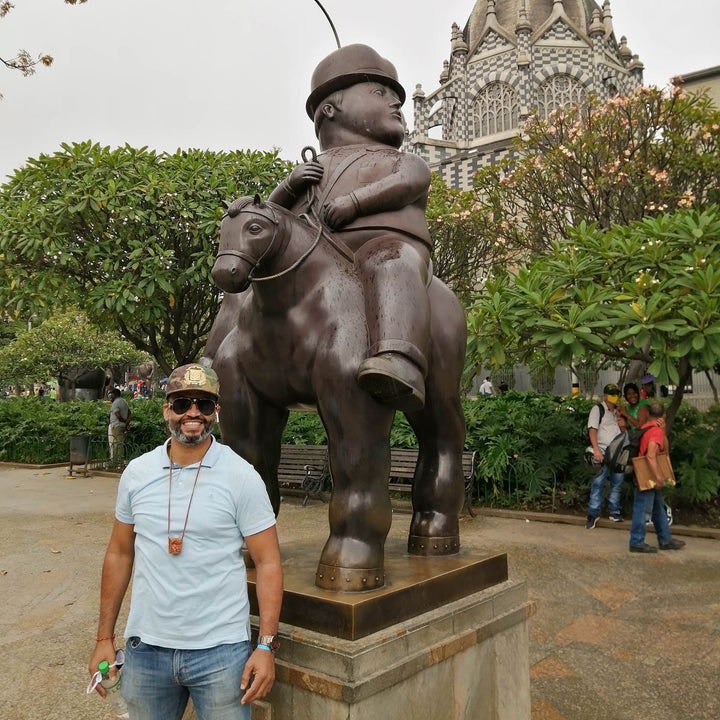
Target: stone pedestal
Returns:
[[464, 659]]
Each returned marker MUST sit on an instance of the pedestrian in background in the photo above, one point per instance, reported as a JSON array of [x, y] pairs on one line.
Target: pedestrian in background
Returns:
[[119, 423], [653, 442], [602, 429]]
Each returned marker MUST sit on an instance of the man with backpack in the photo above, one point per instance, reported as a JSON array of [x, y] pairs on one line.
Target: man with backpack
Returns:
[[602, 429]]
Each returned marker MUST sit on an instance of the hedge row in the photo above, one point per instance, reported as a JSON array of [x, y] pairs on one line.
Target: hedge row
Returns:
[[530, 446]]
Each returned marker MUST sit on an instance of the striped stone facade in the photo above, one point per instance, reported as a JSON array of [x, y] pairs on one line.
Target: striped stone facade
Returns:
[[512, 57]]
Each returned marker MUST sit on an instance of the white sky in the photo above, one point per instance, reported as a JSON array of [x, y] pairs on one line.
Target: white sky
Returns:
[[234, 74]]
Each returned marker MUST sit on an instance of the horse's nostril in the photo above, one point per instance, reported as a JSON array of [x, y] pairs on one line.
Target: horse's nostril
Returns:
[[233, 271]]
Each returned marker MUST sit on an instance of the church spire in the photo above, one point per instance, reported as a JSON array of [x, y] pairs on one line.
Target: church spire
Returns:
[[607, 18]]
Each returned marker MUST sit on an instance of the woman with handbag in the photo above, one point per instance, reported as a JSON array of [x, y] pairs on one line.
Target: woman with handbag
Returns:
[[653, 450]]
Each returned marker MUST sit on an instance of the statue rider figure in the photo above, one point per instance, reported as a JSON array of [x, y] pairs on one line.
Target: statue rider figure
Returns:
[[372, 196]]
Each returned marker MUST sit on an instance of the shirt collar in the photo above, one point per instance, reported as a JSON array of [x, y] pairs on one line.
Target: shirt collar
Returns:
[[209, 459]]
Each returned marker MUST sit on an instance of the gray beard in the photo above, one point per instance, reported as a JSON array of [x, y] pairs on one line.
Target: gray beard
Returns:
[[183, 439]]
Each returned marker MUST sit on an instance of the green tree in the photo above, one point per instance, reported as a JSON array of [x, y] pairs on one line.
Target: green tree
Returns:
[[612, 163], [463, 256], [649, 291], [64, 346], [127, 234]]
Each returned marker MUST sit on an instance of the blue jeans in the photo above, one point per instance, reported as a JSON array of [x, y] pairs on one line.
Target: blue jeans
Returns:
[[649, 501], [157, 681], [596, 492]]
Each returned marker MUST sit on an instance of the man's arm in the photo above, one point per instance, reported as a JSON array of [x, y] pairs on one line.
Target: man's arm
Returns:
[[265, 552], [116, 572], [597, 454]]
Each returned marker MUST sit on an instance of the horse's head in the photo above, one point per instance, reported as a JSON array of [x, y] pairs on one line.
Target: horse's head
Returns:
[[248, 237]]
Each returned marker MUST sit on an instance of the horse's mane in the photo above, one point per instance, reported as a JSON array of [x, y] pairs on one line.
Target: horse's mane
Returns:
[[237, 205]]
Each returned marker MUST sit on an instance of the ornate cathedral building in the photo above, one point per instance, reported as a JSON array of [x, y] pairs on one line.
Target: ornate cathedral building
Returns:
[[512, 57]]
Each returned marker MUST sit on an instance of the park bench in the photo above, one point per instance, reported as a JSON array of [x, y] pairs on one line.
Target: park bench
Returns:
[[305, 468]]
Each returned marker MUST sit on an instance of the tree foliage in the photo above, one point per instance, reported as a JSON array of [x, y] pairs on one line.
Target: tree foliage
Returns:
[[648, 291], [62, 347], [463, 255], [128, 234], [613, 163]]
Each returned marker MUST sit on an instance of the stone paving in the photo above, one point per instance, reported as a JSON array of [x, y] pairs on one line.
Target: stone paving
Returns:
[[616, 636]]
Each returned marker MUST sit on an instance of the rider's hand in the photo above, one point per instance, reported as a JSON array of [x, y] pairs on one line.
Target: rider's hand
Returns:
[[309, 173], [339, 212]]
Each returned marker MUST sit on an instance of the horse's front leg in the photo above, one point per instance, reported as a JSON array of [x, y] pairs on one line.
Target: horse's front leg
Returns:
[[251, 426], [360, 514]]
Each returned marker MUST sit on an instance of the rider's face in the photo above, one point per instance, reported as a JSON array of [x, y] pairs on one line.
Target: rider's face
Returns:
[[372, 111]]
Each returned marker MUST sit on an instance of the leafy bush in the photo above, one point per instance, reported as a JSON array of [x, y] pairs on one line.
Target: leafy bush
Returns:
[[530, 446], [695, 454]]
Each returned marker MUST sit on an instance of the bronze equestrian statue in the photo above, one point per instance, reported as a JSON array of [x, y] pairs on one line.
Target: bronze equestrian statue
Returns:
[[341, 311]]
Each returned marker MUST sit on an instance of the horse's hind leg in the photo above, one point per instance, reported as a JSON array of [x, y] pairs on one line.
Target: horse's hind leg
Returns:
[[360, 513], [438, 485]]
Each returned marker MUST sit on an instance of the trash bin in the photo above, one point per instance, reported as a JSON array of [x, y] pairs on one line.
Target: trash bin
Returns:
[[79, 451]]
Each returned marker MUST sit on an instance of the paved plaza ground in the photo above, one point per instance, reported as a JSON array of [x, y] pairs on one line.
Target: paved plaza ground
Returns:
[[616, 636]]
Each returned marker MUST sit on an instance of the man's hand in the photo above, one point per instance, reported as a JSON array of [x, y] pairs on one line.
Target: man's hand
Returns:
[[597, 455], [260, 667], [104, 650]]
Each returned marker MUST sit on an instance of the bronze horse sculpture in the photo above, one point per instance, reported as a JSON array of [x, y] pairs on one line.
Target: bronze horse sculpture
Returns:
[[297, 336]]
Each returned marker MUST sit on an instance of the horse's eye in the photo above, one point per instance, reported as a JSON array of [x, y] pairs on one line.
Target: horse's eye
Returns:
[[255, 228]]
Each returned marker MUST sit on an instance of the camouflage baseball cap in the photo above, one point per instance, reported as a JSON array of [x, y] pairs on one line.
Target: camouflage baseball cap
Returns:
[[193, 377]]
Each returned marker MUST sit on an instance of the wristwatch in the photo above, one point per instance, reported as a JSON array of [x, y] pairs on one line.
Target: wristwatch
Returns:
[[271, 641]]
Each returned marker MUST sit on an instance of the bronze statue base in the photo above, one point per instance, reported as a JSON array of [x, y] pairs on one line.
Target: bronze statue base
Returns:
[[332, 577], [413, 585], [433, 546]]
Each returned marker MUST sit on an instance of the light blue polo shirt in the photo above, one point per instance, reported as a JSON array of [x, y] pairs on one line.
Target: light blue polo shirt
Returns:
[[197, 599]]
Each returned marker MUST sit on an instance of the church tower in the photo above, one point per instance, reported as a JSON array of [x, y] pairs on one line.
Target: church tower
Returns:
[[514, 56]]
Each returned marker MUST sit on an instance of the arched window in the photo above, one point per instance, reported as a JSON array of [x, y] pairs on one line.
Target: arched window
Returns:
[[495, 110], [559, 91]]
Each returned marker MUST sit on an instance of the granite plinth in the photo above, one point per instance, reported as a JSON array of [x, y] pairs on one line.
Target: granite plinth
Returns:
[[465, 660]]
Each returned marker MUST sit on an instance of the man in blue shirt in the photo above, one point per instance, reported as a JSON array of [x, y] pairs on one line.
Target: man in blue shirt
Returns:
[[182, 514]]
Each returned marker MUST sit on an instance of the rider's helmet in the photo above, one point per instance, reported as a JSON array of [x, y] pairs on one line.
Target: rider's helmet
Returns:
[[348, 66]]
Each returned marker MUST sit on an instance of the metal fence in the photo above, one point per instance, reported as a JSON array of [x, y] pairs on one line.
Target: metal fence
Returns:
[[37, 450]]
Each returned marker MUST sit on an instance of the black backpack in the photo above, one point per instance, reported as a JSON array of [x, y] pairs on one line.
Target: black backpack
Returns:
[[619, 453], [622, 449]]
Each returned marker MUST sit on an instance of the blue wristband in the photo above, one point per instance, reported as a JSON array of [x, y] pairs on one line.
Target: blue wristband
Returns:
[[264, 647]]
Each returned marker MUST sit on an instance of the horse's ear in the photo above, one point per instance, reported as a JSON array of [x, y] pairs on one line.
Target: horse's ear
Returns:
[[257, 200], [225, 204]]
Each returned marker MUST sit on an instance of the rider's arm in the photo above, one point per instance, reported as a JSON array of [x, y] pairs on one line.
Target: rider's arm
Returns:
[[408, 183]]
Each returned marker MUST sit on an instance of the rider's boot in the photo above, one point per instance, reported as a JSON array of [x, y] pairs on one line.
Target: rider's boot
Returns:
[[393, 379]]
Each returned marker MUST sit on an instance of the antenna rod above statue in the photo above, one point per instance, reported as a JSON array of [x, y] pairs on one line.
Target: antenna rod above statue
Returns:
[[325, 12]]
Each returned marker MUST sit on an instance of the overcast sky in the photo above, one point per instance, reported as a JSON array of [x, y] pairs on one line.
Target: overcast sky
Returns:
[[234, 74]]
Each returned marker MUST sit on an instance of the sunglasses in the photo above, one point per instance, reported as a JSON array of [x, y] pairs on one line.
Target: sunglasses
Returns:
[[181, 405]]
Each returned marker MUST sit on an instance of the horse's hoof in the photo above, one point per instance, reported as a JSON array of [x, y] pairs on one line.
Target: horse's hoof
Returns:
[[332, 577], [424, 545], [393, 380]]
